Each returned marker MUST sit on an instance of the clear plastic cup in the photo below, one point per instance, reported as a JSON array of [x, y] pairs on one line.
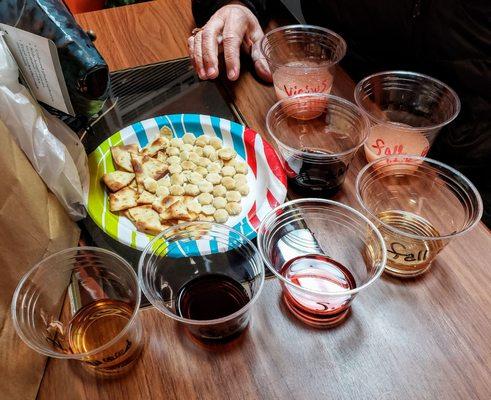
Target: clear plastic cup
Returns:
[[204, 275], [302, 58], [323, 253], [406, 110], [317, 136], [81, 304], [419, 205]]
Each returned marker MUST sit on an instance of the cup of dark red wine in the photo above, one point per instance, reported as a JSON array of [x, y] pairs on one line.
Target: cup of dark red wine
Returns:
[[204, 275], [323, 253], [317, 136]]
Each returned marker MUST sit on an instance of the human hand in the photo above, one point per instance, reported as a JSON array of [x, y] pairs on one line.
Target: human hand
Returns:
[[232, 27]]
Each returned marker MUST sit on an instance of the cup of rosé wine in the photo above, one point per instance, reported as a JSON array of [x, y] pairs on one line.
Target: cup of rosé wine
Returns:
[[302, 58], [406, 111]]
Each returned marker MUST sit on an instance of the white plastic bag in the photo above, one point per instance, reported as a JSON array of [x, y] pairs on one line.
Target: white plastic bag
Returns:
[[53, 149]]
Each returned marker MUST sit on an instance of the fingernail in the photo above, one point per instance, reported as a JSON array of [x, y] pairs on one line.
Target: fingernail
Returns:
[[201, 73], [231, 73], [210, 71]]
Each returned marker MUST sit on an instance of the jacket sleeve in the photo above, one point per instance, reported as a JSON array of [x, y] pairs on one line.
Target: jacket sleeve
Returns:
[[204, 9]]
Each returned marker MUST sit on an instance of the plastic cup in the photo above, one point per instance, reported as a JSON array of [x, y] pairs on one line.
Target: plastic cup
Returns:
[[204, 275], [323, 253], [419, 205], [81, 304], [302, 58], [406, 110], [317, 136]]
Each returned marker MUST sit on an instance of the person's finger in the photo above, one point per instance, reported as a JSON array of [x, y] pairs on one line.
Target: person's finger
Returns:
[[210, 46], [260, 63], [233, 33], [191, 46], [198, 56], [191, 51]]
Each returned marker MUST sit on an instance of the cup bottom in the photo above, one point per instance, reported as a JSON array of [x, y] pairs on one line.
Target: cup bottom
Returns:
[[314, 319], [120, 368], [207, 340], [396, 271], [312, 190], [220, 333]]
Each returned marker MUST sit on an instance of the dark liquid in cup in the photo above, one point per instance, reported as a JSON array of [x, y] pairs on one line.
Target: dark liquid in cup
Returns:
[[316, 178], [210, 297]]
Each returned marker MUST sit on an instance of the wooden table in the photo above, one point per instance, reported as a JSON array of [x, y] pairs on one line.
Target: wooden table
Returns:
[[423, 338]]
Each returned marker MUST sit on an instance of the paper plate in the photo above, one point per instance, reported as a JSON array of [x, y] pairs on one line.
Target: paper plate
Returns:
[[266, 177]]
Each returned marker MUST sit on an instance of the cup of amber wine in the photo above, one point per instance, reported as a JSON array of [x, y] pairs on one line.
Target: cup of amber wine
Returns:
[[324, 253], [302, 58], [406, 110], [206, 276], [316, 151], [81, 304], [419, 205]]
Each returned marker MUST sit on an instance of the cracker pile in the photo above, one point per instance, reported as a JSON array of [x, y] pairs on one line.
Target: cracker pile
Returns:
[[175, 180]]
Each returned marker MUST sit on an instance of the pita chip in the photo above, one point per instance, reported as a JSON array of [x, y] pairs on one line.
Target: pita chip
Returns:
[[122, 156], [146, 219], [146, 198], [117, 180], [146, 167], [158, 144], [123, 199], [162, 204], [178, 211]]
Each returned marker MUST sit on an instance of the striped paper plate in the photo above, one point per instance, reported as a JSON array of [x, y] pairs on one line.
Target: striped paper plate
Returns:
[[266, 177]]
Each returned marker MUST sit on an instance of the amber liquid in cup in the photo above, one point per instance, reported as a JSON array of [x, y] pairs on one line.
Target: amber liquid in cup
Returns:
[[96, 324], [321, 273], [406, 255]]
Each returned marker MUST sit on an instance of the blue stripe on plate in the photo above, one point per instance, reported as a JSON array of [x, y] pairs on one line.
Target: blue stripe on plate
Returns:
[[161, 122], [245, 228], [215, 123], [237, 132], [177, 124], [140, 134], [213, 246], [193, 125]]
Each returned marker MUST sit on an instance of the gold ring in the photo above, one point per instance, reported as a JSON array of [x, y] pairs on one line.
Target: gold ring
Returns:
[[195, 31]]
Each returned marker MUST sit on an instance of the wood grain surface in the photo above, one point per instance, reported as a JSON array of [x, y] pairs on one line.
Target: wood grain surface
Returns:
[[424, 338]]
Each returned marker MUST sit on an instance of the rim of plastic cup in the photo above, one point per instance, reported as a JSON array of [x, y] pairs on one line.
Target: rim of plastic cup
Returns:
[[272, 214], [474, 190], [114, 340], [189, 321], [396, 125], [302, 27], [319, 156]]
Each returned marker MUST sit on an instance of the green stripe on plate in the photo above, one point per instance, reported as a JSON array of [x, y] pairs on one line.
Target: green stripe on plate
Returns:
[[111, 220], [100, 162]]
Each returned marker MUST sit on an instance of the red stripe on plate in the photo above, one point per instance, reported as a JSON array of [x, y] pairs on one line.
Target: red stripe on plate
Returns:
[[253, 219], [274, 162], [272, 200], [249, 139]]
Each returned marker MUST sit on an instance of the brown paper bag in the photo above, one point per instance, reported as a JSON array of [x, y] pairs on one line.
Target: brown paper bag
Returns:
[[33, 225]]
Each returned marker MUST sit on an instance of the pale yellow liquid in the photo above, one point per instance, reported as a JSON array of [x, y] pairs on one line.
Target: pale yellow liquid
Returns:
[[95, 325], [408, 256]]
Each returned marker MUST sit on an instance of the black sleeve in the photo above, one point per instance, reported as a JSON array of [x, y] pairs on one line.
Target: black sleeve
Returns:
[[204, 9]]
